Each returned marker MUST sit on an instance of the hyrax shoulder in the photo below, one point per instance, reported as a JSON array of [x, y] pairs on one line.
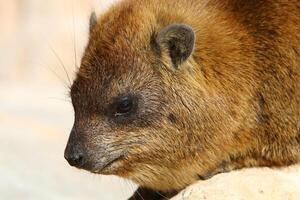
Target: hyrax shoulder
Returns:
[[170, 91]]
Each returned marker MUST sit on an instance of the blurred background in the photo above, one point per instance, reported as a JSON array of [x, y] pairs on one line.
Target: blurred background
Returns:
[[38, 38]]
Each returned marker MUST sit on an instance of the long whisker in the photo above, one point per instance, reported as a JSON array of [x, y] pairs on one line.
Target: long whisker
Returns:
[[74, 36], [161, 195], [121, 183], [137, 190], [61, 63], [66, 84], [60, 99], [63, 81]]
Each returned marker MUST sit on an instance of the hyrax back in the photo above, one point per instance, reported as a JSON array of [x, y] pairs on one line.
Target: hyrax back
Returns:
[[170, 91]]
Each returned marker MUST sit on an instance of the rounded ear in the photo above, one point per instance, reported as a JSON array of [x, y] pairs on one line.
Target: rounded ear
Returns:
[[179, 40], [93, 21]]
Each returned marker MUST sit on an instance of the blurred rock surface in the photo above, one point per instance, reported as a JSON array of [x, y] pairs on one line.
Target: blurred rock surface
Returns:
[[248, 184]]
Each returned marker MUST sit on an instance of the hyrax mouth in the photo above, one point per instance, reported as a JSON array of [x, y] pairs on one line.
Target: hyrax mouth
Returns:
[[109, 165]]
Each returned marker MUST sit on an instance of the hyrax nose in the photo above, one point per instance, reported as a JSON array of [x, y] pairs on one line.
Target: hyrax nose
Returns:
[[74, 156]]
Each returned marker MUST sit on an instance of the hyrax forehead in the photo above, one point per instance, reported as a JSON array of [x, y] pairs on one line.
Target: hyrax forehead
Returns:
[[119, 44]]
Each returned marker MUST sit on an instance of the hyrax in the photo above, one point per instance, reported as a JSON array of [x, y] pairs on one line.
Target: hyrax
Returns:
[[170, 92]]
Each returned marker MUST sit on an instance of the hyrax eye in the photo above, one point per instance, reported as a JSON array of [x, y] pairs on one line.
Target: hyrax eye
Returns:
[[124, 106]]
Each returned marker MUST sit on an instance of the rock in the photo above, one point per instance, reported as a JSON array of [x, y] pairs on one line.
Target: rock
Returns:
[[247, 184]]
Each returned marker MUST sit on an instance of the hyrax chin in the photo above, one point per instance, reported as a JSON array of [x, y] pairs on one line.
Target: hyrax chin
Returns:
[[170, 92]]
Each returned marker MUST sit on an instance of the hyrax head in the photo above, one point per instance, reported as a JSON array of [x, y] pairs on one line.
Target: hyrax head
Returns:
[[132, 99]]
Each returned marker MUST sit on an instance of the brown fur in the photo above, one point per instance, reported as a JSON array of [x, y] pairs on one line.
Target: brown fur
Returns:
[[234, 103]]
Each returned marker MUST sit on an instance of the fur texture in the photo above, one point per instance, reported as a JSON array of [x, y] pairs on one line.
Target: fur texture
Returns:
[[233, 103]]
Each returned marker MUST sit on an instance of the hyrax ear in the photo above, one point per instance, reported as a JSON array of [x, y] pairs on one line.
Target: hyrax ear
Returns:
[[93, 21], [179, 40]]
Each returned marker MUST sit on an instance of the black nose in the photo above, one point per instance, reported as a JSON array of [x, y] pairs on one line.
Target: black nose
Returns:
[[76, 159], [74, 156]]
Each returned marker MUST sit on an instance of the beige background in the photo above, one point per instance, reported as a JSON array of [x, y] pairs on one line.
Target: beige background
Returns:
[[35, 112]]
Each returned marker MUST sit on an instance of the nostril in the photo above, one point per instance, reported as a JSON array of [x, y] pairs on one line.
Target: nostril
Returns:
[[76, 160], [79, 159]]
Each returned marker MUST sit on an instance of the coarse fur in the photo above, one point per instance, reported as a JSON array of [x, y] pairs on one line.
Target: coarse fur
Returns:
[[233, 102]]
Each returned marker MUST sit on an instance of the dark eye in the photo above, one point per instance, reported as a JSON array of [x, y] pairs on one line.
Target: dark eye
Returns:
[[124, 105]]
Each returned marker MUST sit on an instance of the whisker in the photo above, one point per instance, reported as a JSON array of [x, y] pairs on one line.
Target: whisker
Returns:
[[67, 85], [74, 36], [132, 188], [60, 99], [46, 66], [121, 183], [61, 64], [161, 195], [140, 194]]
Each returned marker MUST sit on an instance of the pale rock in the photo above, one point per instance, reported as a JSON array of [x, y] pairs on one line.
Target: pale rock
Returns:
[[247, 184]]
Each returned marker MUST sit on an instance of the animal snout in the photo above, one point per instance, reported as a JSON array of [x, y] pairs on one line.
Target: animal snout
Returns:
[[75, 156], [75, 159]]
